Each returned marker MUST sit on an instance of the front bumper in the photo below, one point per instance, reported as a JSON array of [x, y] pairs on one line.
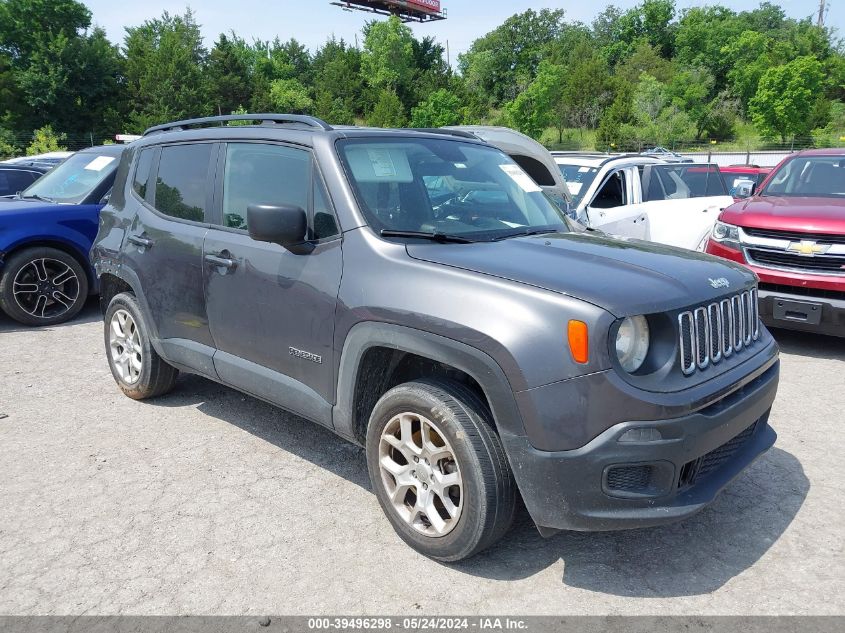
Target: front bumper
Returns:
[[802, 309], [614, 483]]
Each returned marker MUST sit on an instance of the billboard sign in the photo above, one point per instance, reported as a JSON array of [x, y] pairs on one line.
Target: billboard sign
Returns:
[[426, 5]]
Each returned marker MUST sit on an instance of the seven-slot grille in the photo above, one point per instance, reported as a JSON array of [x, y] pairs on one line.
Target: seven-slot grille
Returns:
[[715, 331]]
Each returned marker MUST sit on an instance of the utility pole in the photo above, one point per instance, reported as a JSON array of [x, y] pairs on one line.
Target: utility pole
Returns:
[[820, 22]]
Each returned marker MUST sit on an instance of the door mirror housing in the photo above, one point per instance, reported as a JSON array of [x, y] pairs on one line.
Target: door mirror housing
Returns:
[[745, 189], [285, 225]]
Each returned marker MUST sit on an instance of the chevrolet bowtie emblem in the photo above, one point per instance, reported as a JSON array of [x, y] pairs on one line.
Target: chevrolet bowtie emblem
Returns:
[[808, 248]]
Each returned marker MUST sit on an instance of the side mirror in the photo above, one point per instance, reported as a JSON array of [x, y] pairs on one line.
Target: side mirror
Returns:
[[285, 225], [744, 189]]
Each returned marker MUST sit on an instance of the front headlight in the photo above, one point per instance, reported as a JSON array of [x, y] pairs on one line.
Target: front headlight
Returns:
[[726, 233], [632, 341]]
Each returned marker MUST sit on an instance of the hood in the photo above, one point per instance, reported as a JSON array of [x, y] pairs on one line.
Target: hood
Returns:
[[10, 205], [806, 215], [625, 277]]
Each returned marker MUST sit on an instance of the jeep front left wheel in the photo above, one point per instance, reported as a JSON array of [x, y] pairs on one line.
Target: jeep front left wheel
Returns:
[[439, 470]]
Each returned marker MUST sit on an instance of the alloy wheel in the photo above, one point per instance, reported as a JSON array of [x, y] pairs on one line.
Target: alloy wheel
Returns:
[[125, 347], [421, 475], [46, 288]]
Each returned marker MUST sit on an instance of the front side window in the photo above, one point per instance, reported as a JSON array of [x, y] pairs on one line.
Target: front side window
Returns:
[[445, 186], [180, 189], [578, 180], [73, 180], [613, 193], [810, 176], [257, 173]]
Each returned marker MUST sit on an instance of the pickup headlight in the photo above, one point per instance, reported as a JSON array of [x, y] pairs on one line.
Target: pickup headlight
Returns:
[[632, 341], [726, 234]]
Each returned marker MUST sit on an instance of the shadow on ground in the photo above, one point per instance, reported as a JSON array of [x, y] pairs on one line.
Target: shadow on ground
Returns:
[[812, 345], [694, 557], [90, 313]]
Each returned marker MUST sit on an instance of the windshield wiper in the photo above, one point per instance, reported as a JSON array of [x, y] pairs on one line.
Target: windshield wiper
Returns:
[[526, 233], [434, 236], [35, 196]]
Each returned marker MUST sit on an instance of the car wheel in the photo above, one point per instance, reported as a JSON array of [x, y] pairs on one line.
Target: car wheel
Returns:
[[43, 286], [439, 470], [137, 368]]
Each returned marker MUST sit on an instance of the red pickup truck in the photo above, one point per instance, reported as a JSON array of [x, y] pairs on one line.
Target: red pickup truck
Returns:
[[791, 232]]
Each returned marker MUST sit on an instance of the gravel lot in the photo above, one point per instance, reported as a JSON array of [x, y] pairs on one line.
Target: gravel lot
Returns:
[[210, 502]]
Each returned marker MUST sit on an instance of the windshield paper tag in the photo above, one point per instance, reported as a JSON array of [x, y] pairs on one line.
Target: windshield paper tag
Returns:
[[99, 163], [521, 178], [382, 162]]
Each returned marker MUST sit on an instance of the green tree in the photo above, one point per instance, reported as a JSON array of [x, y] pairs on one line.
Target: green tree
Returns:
[[388, 111], [387, 61], [440, 109], [290, 96], [338, 83], [8, 146], [535, 108], [45, 140], [786, 97], [61, 71], [229, 73], [506, 60], [165, 64]]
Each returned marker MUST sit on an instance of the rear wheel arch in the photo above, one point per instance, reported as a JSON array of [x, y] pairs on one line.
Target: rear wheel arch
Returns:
[[378, 356]]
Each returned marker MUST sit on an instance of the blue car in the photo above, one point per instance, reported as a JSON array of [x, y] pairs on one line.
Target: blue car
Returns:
[[46, 232]]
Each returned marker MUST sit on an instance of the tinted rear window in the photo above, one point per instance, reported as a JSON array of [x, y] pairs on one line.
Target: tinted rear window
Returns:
[[181, 181]]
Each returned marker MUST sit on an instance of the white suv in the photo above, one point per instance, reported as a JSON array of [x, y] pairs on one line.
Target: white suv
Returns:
[[644, 197]]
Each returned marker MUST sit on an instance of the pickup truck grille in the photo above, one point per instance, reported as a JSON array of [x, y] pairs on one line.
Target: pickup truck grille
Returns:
[[795, 236], [716, 331], [780, 259]]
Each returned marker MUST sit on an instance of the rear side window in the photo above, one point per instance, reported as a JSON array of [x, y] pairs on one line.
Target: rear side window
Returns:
[[142, 171], [258, 173], [180, 189], [681, 182]]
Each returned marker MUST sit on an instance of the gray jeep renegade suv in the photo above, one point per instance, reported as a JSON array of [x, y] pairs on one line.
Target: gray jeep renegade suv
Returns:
[[418, 294]]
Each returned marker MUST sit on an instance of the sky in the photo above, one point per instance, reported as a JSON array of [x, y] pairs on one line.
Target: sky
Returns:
[[313, 21]]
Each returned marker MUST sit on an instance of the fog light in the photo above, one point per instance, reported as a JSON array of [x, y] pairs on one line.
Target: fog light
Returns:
[[643, 434]]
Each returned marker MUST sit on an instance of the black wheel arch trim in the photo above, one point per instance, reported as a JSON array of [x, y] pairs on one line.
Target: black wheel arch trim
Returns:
[[129, 277], [475, 363]]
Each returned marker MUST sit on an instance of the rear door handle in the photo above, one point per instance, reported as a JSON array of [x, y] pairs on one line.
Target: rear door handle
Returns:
[[223, 262], [140, 241]]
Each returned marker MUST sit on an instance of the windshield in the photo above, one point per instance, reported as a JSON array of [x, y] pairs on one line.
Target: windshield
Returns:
[[809, 176], [445, 187], [578, 179], [73, 180]]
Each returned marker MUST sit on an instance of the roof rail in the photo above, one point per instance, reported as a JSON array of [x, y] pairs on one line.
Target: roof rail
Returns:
[[265, 119], [445, 131]]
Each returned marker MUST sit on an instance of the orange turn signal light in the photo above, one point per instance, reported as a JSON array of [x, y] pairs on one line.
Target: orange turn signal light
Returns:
[[579, 341]]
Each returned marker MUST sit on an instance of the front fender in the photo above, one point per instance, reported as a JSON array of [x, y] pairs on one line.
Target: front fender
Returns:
[[481, 367]]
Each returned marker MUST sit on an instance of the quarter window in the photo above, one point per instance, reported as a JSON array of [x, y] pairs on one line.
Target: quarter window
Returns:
[[325, 225], [181, 181], [257, 173], [142, 172]]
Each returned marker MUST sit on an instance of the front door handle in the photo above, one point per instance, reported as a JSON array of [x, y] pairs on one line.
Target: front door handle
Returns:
[[223, 262], [143, 242]]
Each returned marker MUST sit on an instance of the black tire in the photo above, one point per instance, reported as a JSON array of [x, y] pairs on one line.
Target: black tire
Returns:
[[489, 494], [155, 377], [47, 303]]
